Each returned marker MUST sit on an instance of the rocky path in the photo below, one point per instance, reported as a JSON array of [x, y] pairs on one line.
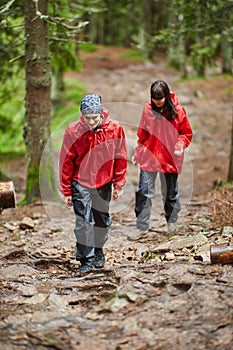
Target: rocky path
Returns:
[[161, 292], [157, 293]]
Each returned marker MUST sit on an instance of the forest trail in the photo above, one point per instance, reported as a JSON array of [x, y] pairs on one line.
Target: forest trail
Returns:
[[161, 292]]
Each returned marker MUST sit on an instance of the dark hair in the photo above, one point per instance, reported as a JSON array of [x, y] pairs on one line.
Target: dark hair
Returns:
[[160, 89]]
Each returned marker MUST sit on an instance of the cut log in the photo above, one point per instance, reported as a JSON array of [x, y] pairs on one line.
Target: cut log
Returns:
[[7, 195], [221, 254]]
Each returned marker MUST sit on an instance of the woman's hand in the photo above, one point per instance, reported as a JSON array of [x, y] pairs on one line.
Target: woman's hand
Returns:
[[179, 149], [133, 161], [178, 152]]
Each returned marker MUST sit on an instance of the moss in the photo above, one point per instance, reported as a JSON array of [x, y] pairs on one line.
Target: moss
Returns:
[[32, 194]]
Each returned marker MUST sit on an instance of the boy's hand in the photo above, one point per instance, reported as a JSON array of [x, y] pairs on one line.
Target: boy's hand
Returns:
[[116, 194], [68, 201]]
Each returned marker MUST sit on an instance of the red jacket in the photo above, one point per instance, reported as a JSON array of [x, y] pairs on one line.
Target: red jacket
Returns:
[[93, 158], [158, 139]]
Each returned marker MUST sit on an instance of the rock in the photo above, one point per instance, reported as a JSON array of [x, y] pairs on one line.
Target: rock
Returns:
[[40, 298], [27, 223], [10, 227], [169, 256], [188, 242], [196, 240], [164, 247], [199, 94], [141, 250], [130, 326], [57, 300], [227, 231], [27, 291]]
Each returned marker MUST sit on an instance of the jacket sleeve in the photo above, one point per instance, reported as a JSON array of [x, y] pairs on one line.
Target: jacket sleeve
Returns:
[[185, 131], [66, 164], [120, 161], [143, 135]]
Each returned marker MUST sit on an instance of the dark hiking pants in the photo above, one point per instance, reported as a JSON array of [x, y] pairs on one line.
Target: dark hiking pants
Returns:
[[91, 207], [145, 192]]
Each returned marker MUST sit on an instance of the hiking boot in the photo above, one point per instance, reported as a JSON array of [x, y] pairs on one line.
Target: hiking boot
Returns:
[[137, 235], [86, 265], [171, 227], [99, 260]]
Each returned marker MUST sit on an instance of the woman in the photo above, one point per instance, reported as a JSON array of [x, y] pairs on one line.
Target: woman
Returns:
[[163, 133]]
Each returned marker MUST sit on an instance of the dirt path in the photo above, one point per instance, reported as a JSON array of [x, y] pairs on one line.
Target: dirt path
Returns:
[[125, 89], [161, 292]]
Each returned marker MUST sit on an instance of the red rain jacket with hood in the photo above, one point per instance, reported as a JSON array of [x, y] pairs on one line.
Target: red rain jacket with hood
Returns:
[[93, 158], [158, 138]]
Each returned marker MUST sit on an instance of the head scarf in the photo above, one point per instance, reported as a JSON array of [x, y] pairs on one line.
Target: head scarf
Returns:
[[91, 104]]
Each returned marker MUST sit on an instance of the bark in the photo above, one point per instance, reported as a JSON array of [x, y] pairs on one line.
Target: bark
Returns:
[[176, 52], [230, 169], [226, 51], [148, 27], [38, 84]]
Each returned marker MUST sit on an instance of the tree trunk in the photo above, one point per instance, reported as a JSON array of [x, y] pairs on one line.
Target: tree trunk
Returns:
[[38, 84], [57, 88], [176, 52], [230, 170], [148, 27], [226, 51]]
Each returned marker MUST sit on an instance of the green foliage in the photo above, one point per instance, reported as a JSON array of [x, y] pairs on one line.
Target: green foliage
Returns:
[[12, 116], [13, 111], [165, 37], [64, 57], [196, 30], [64, 30], [203, 55], [147, 256], [87, 47], [70, 109], [134, 55], [78, 25], [32, 189], [11, 52]]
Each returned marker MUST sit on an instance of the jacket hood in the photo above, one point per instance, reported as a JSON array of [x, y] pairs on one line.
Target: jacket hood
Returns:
[[174, 98]]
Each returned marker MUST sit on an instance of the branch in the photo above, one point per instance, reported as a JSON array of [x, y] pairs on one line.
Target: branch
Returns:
[[7, 7], [61, 22], [16, 58], [63, 39]]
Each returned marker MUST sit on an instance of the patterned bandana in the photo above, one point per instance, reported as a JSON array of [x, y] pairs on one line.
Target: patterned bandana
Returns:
[[91, 104]]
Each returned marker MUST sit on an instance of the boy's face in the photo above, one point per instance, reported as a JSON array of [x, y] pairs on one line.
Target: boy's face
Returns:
[[92, 120]]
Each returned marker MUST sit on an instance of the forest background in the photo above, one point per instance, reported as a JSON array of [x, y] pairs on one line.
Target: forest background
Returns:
[[163, 291], [42, 40]]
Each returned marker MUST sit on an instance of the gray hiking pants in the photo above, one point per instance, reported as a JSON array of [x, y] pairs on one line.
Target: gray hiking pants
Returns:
[[145, 192], [91, 207]]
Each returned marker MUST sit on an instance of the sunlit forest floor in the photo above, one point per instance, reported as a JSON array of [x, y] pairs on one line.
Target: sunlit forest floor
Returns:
[[161, 292]]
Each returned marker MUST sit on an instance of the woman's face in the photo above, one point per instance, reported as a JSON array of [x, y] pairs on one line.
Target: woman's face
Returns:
[[159, 102]]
